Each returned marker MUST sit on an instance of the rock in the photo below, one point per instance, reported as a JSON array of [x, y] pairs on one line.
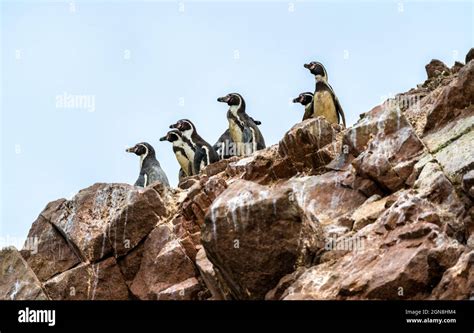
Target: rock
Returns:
[[219, 166], [436, 68], [164, 264], [454, 100], [263, 167], [435, 186], [133, 223], [251, 235], [381, 268], [208, 274], [368, 213], [285, 282], [186, 290], [420, 105], [130, 264], [458, 157], [98, 281], [51, 254], [468, 183], [108, 218], [301, 143], [456, 67], [447, 134], [17, 280], [469, 55], [389, 158], [381, 121], [457, 282], [326, 197]]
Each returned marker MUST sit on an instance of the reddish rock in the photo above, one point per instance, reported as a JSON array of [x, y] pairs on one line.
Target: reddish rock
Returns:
[[144, 210], [163, 265], [380, 122], [251, 235], [389, 158], [453, 100], [84, 220], [456, 67], [130, 264], [46, 251], [301, 143], [436, 68], [17, 280], [368, 213], [391, 266], [457, 282], [209, 276], [328, 196], [185, 291], [99, 281], [108, 218]]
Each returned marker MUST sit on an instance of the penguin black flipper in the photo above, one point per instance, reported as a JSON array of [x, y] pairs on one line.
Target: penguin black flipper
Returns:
[[155, 173], [199, 157], [308, 111], [141, 180], [339, 110], [247, 136], [181, 174]]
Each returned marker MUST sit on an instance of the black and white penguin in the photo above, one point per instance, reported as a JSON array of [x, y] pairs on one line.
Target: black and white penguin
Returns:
[[183, 152], [150, 169], [204, 154], [242, 128], [306, 99], [325, 102], [223, 145]]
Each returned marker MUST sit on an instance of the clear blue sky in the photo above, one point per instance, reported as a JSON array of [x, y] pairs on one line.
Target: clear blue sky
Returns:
[[148, 64]]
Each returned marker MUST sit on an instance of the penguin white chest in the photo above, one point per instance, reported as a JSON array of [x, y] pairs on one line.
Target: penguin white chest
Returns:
[[323, 105]]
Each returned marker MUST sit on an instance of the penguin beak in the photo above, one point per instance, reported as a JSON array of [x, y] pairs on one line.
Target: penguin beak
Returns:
[[164, 138], [174, 125], [224, 99], [308, 66], [130, 150], [297, 100]]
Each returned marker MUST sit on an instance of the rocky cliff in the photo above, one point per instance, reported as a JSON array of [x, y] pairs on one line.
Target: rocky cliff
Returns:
[[380, 210]]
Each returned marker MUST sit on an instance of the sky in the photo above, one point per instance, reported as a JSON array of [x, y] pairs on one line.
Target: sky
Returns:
[[132, 68]]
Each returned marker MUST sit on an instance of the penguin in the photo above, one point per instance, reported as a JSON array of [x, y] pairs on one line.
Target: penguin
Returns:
[[150, 169], [325, 102], [306, 99], [242, 128], [224, 143], [204, 154], [183, 152]]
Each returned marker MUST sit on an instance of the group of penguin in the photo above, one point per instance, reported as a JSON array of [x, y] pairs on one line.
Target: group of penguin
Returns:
[[243, 136]]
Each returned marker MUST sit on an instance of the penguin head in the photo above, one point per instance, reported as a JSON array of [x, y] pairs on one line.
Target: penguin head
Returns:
[[318, 70], [304, 98], [142, 149], [231, 99], [185, 126], [172, 136]]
